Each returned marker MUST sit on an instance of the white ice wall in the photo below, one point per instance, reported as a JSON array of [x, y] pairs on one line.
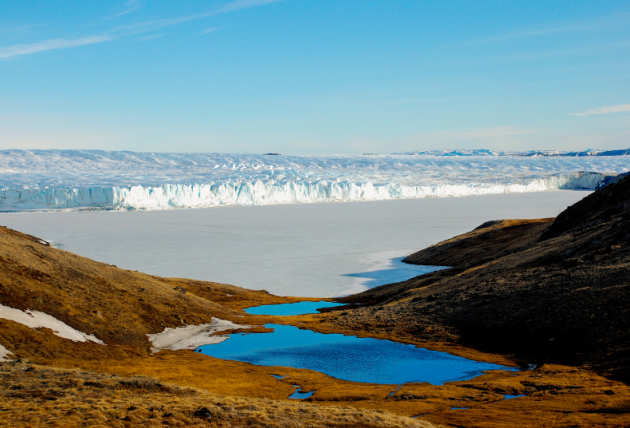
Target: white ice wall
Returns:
[[32, 180]]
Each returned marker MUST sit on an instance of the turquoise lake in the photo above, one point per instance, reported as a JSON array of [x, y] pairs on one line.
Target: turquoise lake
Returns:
[[347, 357], [298, 308]]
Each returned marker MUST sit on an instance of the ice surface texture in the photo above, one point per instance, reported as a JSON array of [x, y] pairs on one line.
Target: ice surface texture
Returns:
[[62, 179]]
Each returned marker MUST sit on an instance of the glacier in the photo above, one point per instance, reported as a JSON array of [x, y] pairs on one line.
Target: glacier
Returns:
[[122, 180]]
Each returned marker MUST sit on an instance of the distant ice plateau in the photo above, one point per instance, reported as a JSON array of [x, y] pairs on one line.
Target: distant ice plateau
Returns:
[[121, 180]]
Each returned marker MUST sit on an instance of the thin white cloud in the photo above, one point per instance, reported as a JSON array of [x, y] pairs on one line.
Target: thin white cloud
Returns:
[[152, 36], [51, 44], [538, 32], [596, 24], [236, 5], [150, 26], [582, 50], [157, 24], [209, 30], [127, 30], [620, 108], [130, 6]]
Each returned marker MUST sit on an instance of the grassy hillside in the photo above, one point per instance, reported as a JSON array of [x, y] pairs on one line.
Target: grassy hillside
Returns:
[[117, 306], [539, 291], [53, 381], [487, 242]]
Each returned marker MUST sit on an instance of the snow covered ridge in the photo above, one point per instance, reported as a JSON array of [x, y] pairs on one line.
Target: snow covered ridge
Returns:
[[37, 319], [486, 152], [75, 179]]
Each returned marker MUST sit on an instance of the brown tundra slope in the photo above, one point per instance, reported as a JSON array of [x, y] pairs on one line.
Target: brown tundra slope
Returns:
[[539, 291], [52, 381]]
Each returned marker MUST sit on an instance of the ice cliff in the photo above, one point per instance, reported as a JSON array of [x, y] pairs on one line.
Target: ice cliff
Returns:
[[71, 179]]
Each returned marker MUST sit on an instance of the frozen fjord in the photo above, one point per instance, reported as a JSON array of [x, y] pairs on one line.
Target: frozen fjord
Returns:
[[303, 250]]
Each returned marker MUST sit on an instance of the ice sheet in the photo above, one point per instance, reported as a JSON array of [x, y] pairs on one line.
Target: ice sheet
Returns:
[[76, 179]]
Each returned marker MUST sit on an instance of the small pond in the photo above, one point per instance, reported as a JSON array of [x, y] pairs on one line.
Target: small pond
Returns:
[[509, 397], [347, 357], [299, 394], [394, 271], [298, 308]]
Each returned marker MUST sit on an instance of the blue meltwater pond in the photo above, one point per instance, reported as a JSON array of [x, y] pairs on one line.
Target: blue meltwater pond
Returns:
[[347, 357], [298, 308]]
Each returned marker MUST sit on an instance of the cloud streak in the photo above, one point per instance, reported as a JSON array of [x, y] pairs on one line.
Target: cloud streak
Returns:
[[237, 5], [127, 30], [620, 108], [596, 24], [157, 24], [129, 7], [538, 32], [51, 44], [208, 30]]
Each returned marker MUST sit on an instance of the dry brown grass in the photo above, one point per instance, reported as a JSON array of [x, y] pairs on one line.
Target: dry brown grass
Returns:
[[557, 395], [489, 241], [43, 396], [122, 384], [119, 306]]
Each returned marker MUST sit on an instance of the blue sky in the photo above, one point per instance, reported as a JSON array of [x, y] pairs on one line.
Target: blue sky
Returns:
[[314, 76]]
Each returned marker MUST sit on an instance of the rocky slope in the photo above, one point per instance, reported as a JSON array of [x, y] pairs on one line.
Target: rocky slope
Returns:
[[489, 241], [539, 291]]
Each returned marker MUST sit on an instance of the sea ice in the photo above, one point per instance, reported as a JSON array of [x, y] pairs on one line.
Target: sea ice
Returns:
[[297, 250]]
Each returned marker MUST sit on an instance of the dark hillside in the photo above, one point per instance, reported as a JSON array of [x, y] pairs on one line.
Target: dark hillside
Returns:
[[489, 241], [599, 207], [563, 297]]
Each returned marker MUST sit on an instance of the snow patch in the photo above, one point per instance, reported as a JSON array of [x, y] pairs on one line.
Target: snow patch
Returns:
[[4, 354], [37, 319], [192, 336]]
